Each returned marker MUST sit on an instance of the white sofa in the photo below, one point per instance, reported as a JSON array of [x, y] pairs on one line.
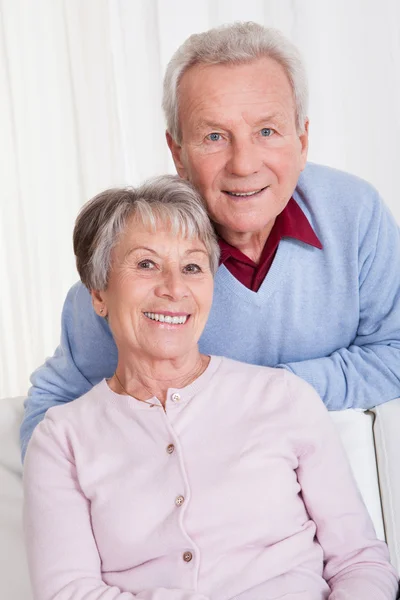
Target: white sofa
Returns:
[[371, 439]]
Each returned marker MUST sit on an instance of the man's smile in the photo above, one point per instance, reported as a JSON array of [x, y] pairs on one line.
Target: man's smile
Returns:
[[243, 193]]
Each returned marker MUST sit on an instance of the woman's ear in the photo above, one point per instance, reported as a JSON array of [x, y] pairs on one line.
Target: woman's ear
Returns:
[[98, 302]]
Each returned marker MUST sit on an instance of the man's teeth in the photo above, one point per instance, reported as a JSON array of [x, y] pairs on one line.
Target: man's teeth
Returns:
[[245, 193], [166, 318]]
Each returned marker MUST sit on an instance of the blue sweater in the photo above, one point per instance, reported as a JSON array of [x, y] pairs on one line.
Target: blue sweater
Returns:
[[331, 316]]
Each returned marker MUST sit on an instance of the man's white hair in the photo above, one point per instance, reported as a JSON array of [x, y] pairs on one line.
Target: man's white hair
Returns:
[[237, 43]]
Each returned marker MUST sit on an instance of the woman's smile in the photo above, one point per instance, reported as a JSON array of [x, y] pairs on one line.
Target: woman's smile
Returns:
[[167, 318]]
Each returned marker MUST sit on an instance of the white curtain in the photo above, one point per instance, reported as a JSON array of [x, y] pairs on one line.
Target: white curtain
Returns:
[[80, 95]]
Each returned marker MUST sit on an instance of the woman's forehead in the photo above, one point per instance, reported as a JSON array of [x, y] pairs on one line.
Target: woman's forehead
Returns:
[[155, 225], [159, 237]]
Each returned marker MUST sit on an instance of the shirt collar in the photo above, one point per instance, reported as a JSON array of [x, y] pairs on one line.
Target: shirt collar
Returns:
[[291, 222]]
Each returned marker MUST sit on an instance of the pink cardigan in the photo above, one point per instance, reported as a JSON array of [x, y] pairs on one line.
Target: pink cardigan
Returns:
[[240, 489]]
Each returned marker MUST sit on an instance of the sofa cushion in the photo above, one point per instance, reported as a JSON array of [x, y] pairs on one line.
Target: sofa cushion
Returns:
[[13, 566], [356, 431], [387, 443]]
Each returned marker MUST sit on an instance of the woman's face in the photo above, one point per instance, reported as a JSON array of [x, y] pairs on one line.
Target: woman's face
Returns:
[[159, 293]]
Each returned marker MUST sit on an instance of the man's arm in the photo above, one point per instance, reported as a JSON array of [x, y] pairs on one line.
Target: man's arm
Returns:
[[367, 373], [87, 353]]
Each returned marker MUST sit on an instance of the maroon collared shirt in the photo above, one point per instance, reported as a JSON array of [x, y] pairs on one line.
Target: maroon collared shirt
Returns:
[[291, 222]]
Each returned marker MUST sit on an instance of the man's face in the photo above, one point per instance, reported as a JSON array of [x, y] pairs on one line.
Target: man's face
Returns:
[[240, 147]]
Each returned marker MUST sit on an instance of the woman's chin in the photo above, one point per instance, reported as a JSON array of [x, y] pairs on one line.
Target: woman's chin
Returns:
[[167, 349]]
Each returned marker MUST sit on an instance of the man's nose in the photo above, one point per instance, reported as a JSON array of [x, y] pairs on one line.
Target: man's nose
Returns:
[[172, 284], [245, 158]]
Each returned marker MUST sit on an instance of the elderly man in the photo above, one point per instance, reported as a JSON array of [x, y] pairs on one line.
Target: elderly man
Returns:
[[310, 257]]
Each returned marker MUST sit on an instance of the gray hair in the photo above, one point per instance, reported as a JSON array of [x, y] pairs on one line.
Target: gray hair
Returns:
[[237, 43], [166, 199]]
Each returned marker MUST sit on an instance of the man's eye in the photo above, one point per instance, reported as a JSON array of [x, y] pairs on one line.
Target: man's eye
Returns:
[[214, 137], [192, 268], [267, 132], [146, 264]]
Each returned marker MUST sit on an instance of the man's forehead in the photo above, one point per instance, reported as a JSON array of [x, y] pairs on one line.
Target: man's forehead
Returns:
[[200, 73], [208, 88]]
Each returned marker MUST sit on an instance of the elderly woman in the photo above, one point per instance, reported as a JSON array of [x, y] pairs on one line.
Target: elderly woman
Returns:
[[184, 476]]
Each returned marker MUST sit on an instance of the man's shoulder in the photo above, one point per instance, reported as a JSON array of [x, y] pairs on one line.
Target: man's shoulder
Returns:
[[327, 193], [78, 294], [321, 176], [80, 318]]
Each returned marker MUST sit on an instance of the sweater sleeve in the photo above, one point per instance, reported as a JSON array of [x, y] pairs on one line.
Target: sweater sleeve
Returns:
[[63, 559], [356, 563], [367, 373], [87, 353]]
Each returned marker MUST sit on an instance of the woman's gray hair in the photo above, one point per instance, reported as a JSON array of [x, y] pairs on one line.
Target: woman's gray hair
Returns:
[[166, 199], [237, 43]]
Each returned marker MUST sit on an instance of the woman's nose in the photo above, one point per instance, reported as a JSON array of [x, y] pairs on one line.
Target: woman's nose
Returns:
[[172, 285]]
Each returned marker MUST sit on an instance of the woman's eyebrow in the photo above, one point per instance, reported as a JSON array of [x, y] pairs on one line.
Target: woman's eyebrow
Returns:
[[196, 250], [152, 251], [135, 248]]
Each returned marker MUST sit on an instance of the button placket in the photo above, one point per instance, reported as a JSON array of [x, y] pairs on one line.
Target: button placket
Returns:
[[188, 556]]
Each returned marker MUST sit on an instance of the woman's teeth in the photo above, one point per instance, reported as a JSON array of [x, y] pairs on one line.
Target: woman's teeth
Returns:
[[166, 318]]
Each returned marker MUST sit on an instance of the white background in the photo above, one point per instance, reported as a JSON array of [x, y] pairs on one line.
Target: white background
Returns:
[[80, 95]]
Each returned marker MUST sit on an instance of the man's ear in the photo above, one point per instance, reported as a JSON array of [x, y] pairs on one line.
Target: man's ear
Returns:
[[176, 151], [303, 137], [99, 304]]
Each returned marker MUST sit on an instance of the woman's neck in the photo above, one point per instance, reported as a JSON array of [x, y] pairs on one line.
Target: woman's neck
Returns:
[[144, 379]]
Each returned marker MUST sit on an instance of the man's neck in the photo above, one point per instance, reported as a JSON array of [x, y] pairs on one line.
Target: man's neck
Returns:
[[251, 244]]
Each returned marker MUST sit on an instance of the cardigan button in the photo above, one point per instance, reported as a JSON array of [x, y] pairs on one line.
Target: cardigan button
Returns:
[[187, 556], [179, 500], [170, 448]]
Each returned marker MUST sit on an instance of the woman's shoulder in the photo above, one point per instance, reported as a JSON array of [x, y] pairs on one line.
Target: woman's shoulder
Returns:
[[229, 367], [76, 410], [236, 374], [64, 425], [275, 384]]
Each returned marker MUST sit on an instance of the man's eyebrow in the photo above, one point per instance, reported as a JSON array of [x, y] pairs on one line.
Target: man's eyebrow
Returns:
[[205, 124], [265, 118], [271, 117]]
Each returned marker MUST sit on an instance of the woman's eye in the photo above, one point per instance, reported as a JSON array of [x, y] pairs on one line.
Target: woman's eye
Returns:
[[267, 132], [192, 268], [146, 264], [213, 137]]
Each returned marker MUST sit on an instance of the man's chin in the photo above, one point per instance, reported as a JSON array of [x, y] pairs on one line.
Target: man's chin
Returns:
[[245, 226]]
